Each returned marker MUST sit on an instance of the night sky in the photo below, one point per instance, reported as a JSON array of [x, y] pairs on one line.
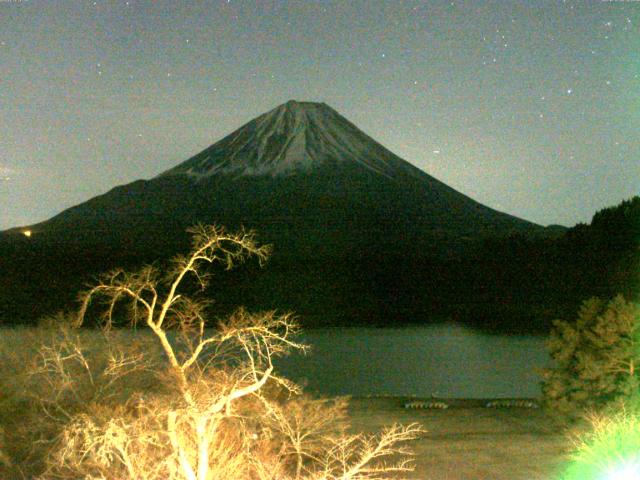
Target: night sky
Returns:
[[530, 107]]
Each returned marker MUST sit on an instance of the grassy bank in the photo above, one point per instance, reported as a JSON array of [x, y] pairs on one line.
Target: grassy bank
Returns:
[[469, 441]]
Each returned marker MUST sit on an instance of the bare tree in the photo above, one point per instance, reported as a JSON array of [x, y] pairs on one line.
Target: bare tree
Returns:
[[310, 426], [361, 457], [215, 419]]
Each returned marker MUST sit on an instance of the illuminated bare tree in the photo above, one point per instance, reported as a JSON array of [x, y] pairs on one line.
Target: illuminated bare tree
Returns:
[[156, 300], [217, 416]]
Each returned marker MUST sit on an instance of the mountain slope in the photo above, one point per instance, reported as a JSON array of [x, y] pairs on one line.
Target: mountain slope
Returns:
[[294, 137], [356, 229], [298, 160]]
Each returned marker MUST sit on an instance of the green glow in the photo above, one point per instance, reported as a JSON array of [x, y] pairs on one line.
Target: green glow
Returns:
[[610, 452], [626, 471]]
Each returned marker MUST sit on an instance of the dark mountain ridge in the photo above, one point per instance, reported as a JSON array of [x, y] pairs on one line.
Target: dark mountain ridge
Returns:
[[378, 231], [301, 152]]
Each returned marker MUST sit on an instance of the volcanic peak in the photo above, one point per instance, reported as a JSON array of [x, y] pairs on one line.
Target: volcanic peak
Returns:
[[295, 136]]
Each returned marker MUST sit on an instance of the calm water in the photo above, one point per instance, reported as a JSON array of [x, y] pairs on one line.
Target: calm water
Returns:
[[444, 360]]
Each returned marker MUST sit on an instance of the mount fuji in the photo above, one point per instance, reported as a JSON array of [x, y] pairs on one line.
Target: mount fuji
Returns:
[[294, 137], [301, 161], [356, 229]]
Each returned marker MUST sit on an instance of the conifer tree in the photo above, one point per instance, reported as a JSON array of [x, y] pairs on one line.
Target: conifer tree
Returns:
[[596, 358]]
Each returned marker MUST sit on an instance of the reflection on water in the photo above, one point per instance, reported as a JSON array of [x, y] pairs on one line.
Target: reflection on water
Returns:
[[443, 360]]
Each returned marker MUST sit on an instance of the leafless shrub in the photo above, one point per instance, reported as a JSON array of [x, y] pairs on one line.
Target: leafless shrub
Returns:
[[360, 457], [308, 426]]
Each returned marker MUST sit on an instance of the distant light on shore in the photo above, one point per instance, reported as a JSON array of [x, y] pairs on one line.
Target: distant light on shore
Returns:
[[27, 233]]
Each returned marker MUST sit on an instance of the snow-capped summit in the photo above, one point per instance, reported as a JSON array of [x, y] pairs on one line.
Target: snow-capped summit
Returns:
[[295, 136]]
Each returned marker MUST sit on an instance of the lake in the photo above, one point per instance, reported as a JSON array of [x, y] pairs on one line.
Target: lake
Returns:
[[445, 360]]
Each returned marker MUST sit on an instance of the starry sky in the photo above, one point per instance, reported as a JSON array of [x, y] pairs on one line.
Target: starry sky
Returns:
[[531, 107]]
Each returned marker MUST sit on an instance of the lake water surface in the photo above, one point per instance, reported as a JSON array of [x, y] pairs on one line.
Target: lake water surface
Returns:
[[444, 360]]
